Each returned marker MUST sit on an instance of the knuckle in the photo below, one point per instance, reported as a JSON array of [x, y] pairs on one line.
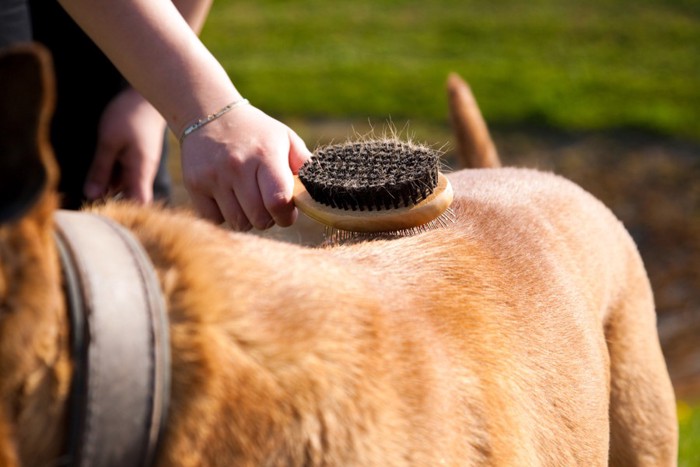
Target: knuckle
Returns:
[[233, 163], [279, 204], [281, 207]]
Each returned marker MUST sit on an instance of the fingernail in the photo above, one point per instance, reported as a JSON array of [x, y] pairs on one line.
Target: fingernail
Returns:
[[241, 226]]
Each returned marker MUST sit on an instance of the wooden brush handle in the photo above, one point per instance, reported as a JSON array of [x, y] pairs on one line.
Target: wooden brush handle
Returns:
[[377, 221]]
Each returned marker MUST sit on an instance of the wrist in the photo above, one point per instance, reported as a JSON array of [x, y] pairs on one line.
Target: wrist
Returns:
[[204, 120]]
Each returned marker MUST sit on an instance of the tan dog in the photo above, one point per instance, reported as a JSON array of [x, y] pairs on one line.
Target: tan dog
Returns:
[[522, 335]]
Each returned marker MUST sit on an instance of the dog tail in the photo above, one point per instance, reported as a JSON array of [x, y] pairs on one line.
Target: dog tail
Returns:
[[475, 148]]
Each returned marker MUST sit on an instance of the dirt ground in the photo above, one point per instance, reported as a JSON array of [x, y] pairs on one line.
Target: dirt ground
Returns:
[[652, 183]]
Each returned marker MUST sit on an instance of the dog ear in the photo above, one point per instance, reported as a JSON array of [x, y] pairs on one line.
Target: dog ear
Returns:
[[27, 166]]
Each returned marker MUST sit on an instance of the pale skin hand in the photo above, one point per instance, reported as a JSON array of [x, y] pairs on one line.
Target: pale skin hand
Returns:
[[129, 144], [238, 167], [131, 132]]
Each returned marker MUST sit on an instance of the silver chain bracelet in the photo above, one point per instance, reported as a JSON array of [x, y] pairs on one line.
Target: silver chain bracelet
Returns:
[[210, 118]]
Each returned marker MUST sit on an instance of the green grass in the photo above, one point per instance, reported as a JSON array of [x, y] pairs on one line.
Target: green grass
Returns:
[[567, 64], [689, 446]]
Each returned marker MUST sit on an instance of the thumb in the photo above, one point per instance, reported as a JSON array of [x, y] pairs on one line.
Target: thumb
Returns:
[[298, 152]]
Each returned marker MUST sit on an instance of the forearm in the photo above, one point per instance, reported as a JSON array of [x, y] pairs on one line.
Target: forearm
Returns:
[[158, 52]]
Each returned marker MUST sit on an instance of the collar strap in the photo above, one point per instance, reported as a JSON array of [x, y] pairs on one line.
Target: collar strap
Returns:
[[120, 343]]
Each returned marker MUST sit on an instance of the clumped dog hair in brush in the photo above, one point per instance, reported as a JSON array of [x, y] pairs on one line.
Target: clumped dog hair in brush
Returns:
[[383, 187]]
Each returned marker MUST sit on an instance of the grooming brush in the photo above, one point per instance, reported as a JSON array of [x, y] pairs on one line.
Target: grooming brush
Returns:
[[371, 189]]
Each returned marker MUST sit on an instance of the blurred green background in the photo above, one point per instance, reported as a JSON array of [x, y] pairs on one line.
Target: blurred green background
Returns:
[[604, 92], [595, 64]]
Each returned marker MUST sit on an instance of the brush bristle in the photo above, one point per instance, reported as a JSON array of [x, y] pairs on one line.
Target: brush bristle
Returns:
[[371, 175], [336, 236], [374, 189]]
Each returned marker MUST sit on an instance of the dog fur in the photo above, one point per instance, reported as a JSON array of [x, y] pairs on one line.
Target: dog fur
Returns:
[[524, 334]]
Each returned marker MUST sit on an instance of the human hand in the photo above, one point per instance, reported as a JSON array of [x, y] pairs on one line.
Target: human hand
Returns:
[[239, 168], [129, 146]]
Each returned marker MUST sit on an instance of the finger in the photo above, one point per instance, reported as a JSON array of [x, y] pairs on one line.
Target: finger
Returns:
[[277, 187], [138, 190], [230, 208], [206, 208], [298, 152], [137, 183], [100, 171], [249, 198]]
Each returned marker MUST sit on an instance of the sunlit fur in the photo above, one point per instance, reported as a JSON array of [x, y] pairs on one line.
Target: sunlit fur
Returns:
[[522, 334]]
